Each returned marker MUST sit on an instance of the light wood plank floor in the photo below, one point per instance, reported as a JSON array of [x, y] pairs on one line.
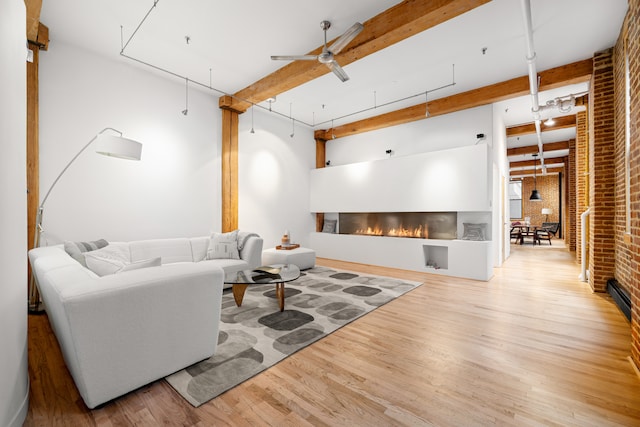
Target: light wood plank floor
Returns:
[[533, 346]]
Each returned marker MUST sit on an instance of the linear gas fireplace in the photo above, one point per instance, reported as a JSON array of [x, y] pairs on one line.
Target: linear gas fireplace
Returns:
[[422, 225]]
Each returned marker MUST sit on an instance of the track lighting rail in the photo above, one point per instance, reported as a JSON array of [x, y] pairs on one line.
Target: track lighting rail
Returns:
[[252, 103]]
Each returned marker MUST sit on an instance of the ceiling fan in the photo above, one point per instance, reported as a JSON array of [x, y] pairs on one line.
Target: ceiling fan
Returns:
[[327, 56]]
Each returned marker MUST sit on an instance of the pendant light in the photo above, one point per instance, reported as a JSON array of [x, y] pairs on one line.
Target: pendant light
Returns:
[[535, 196]]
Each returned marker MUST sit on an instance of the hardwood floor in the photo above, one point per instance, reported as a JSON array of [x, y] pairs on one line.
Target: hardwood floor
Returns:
[[533, 346]]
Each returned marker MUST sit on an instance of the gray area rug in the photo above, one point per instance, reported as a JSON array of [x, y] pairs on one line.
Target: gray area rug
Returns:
[[257, 335]]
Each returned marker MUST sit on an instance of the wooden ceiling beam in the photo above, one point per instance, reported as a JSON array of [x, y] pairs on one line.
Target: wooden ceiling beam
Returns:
[[33, 18], [550, 171], [37, 32], [397, 23], [536, 163], [573, 73], [563, 122], [530, 149]]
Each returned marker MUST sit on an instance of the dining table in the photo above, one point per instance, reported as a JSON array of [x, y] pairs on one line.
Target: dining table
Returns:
[[525, 230]]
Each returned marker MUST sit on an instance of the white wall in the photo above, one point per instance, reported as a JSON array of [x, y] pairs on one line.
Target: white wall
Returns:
[[445, 180], [501, 222], [273, 178], [435, 133], [14, 379], [173, 191]]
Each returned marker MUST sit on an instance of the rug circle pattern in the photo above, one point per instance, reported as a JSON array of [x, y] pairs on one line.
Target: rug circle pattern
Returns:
[[258, 335]]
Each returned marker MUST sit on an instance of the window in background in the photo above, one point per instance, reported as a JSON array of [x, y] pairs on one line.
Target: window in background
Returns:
[[515, 199]]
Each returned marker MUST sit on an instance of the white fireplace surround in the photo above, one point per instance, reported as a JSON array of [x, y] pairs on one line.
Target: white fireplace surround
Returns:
[[455, 180]]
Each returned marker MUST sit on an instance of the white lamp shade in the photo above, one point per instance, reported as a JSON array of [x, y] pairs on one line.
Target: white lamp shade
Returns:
[[546, 211], [117, 146]]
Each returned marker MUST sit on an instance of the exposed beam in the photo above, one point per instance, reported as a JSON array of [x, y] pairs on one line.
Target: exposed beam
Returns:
[[536, 163], [37, 32], [391, 26], [576, 72], [530, 149], [523, 173], [33, 18], [563, 122]]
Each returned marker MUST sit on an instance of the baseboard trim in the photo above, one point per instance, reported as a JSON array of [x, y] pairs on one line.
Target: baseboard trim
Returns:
[[21, 415]]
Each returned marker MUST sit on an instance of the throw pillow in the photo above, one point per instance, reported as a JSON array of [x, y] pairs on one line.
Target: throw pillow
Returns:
[[76, 250], [329, 226], [151, 262], [223, 246], [475, 231], [108, 260]]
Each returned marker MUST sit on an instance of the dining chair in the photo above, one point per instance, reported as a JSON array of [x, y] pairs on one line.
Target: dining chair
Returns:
[[541, 235]]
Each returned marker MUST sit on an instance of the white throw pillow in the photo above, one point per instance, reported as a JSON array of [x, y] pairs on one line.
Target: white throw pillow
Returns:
[[151, 262], [223, 246], [108, 260]]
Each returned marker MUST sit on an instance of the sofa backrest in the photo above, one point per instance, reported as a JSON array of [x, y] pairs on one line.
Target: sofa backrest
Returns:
[[199, 246], [171, 250]]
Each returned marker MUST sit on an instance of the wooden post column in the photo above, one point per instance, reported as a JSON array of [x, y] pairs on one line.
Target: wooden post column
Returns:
[[321, 156], [33, 181], [38, 39], [229, 165]]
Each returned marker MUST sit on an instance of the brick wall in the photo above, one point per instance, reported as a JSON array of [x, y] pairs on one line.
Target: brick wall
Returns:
[[602, 173], [549, 190], [581, 169], [570, 222], [623, 255], [627, 251]]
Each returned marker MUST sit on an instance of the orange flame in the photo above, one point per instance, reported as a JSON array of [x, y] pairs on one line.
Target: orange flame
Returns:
[[418, 232]]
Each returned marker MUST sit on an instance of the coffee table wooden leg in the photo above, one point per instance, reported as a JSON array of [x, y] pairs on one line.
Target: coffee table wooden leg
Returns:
[[238, 292], [280, 295]]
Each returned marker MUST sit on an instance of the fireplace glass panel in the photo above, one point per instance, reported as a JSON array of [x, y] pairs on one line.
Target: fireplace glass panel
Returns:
[[423, 225]]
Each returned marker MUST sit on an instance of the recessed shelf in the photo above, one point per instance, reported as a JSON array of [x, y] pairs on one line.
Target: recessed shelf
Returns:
[[436, 257]]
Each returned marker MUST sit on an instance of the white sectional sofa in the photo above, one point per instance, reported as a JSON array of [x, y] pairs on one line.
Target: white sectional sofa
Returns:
[[118, 332]]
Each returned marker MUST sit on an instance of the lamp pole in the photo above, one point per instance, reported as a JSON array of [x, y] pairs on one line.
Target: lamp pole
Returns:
[[131, 151]]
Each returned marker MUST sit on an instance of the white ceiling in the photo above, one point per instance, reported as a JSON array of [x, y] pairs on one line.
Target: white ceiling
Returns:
[[230, 44]]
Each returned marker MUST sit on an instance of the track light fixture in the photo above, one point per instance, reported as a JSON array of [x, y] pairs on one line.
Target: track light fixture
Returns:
[[271, 101], [186, 109], [252, 131], [293, 122], [426, 104]]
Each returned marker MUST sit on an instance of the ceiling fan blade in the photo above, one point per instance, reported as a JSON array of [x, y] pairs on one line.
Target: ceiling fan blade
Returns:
[[337, 70], [295, 57], [346, 38]]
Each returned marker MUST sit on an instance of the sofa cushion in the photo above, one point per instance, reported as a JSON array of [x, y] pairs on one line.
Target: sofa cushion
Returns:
[[152, 262], [77, 249], [223, 246], [108, 260], [199, 246]]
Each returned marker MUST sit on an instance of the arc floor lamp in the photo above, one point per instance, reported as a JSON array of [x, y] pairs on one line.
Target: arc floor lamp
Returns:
[[110, 145]]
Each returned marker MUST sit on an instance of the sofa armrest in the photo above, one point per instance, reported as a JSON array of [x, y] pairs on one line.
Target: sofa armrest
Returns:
[[122, 331], [252, 252]]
